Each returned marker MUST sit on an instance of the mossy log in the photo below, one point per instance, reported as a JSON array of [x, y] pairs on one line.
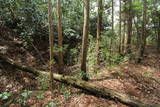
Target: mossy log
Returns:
[[90, 87]]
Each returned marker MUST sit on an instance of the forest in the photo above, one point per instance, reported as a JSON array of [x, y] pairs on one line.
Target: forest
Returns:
[[79, 53]]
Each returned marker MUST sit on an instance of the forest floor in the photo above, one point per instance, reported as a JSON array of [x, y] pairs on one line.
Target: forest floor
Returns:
[[139, 80]]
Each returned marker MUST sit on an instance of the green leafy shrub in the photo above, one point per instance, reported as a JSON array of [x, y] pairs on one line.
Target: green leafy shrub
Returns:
[[24, 96], [5, 95]]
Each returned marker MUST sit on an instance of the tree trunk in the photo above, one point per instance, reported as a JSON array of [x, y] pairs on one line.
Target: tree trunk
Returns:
[[124, 30], [143, 36], [85, 39], [60, 37], [138, 33], [51, 40], [123, 37], [129, 32], [120, 25], [111, 39], [99, 26], [19, 66], [112, 16], [158, 38]]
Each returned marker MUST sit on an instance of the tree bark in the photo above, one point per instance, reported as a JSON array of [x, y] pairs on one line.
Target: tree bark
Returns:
[[158, 38], [124, 35], [129, 32], [99, 26], [138, 33], [120, 25], [60, 37], [51, 40], [143, 36], [112, 16], [124, 27], [85, 39], [111, 39]]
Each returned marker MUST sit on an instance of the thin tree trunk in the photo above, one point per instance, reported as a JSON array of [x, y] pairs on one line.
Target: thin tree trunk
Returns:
[[51, 40], [123, 39], [124, 27], [138, 34], [129, 32], [60, 37], [158, 38], [99, 26], [143, 36], [85, 39], [112, 16], [124, 33], [111, 39], [120, 25]]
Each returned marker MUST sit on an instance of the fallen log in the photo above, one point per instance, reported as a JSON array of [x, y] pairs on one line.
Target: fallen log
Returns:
[[102, 91], [19, 66], [90, 87]]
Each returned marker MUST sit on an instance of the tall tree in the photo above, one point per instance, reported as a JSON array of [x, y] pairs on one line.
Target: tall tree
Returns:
[[124, 36], [143, 36], [124, 26], [112, 16], [138, 32], [60, 37], [85, 39], [99, 26], [51, 39], [120, 25], [158, 35], [111, 40], [129, 28]]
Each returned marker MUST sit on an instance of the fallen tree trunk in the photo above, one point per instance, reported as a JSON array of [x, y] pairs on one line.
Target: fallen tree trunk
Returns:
[[90, 87], [102, 91], [19, 66]]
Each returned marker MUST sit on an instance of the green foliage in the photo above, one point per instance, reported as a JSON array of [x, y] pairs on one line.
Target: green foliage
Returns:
[[83, 74], [41, 96], [58, 49], [92, 53], [108, 45], [73, 14], [25, 16], [53, 103], [107, 56], [24, 96], [64, 90], [43, 81], [137, 7], [73, 56], [5, 95]]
